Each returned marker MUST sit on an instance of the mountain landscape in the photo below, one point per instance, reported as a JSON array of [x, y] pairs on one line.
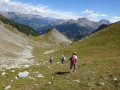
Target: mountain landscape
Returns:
[[16, 40], [71, 28], [34, 21], [74, 28], [59, 45], [25, 63]]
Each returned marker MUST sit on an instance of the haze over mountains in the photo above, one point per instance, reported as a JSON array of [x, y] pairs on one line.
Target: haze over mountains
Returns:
[[71, 28], [33, 21]]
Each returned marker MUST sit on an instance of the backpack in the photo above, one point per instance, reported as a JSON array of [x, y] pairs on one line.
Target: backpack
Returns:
[[64, 58], [51, 58], [73, 59]]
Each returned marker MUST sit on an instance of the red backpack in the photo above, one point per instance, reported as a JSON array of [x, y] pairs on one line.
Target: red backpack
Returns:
[[73, 59]]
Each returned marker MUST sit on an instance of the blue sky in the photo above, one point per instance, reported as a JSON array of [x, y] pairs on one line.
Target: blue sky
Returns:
[[67, 9]]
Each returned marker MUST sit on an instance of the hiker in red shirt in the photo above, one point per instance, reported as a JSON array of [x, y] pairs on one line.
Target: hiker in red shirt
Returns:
[[73, 60]]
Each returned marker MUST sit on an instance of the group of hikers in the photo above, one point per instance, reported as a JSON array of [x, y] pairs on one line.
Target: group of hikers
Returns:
[[73, 59]]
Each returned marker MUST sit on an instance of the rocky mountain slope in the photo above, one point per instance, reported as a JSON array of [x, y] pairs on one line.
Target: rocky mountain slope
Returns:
[[55, 37], [14, 47], [74, 28]]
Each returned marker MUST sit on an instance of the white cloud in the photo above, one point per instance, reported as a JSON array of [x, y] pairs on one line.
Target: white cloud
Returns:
[[115, 19], [87, 11], [92, 15], [7, 5], [103, 15], [96, 15]]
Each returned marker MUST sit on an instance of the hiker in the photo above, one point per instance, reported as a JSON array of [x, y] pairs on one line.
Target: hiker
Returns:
[[73, 60], [63, 59], [51, 59]]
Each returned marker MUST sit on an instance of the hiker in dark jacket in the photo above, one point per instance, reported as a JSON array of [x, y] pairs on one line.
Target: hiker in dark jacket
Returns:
[[62, 59], [73, 60], [51, 59]]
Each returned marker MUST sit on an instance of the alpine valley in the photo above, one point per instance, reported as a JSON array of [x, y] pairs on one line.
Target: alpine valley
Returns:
[[28, 41]]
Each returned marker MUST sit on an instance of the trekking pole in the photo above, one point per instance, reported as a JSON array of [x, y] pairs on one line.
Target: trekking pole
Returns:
[[78, 64], [68, 64]]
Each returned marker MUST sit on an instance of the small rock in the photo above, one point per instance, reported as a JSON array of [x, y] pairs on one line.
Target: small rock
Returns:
[[23, 74], [115, 79], [40, 75], [26, 66], [16, 77], [8, 87], [92, 72], [36, 84], [3, 73], [49, 82], [12, 70], [37, 64], [8, 68], [76, 80], [102, 83]]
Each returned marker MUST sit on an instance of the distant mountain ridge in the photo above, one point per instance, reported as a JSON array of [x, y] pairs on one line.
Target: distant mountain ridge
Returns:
[[100, 28], [20, 27], [33, 21], [74, 28], [71, 28]]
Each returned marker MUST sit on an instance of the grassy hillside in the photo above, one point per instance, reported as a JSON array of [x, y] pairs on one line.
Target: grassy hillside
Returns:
[[99, 59], [104, 44], [54, 39], [98, 67], [22, 28]]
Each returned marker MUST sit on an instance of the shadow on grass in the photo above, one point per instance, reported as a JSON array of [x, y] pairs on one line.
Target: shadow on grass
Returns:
[[61, 73]]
